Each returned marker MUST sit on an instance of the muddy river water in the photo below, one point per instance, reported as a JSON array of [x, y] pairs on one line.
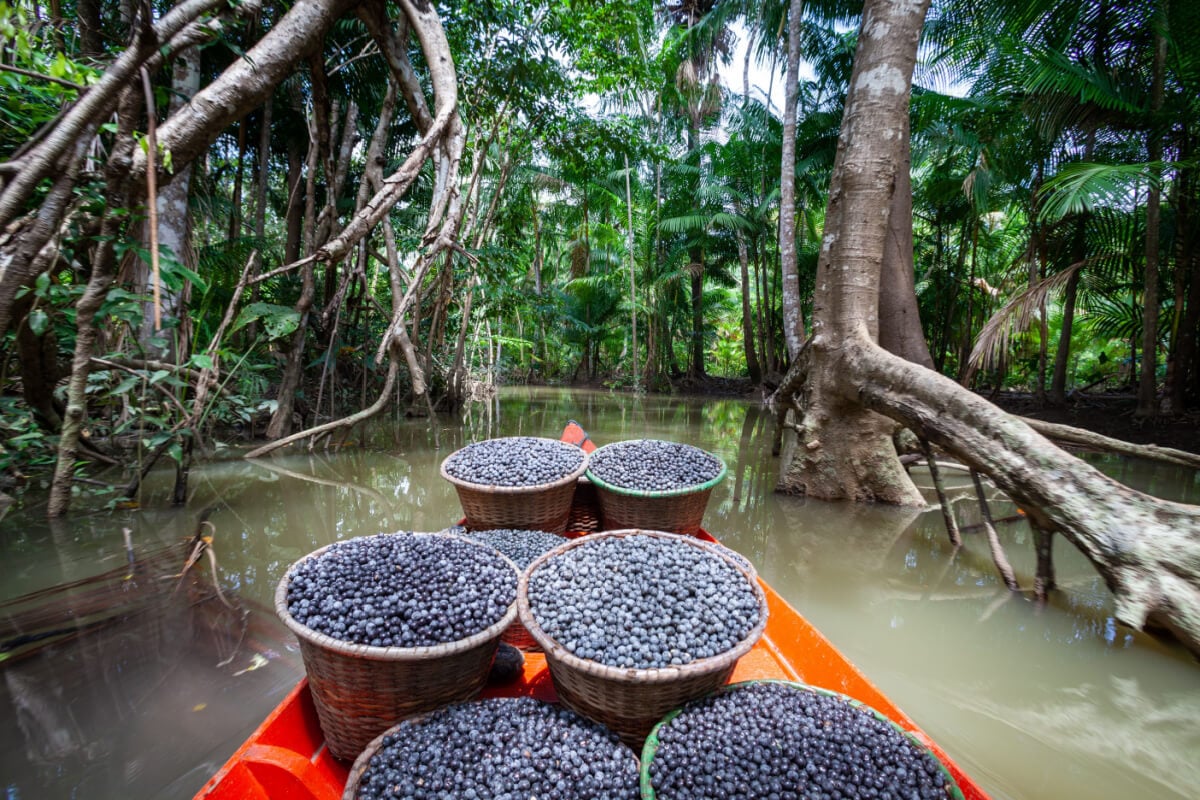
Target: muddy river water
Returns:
[[1053, 702]]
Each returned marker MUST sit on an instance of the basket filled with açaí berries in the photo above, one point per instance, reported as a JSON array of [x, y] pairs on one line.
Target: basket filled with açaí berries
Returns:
[[787, 740], [511, 747], [520, 482], [394, 625], [636, 623], [654, 484], [522, 547]]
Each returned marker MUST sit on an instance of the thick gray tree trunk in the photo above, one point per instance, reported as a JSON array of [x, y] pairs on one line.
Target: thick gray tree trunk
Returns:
[[844, 451]]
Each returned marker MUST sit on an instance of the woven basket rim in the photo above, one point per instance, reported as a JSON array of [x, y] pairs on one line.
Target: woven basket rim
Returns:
[[359, 767], [634, 675], [651, 746], [683, 490], [374, 653], [575, 474]]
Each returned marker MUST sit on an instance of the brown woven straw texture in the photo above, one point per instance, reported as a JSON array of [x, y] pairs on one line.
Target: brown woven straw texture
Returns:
[[632, 701], [364, 758], [519, 637], [585, 509], [361, 691], [677, 514], [673, 511], [545, 507]]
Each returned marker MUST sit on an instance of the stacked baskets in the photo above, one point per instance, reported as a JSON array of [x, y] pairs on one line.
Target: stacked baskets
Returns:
[[365, 694]]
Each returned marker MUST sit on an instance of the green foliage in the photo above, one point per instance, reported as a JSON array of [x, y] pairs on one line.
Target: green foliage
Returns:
[[48, 77], [25, 448], [279, 321]]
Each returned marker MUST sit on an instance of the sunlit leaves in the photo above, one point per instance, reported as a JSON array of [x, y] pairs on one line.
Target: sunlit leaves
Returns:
[[1086, 186]]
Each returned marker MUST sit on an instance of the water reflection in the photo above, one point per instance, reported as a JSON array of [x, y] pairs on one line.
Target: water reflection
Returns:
[[1034, 702]]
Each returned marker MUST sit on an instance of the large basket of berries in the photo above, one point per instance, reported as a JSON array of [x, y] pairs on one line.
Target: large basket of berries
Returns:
[[788, 740], [499, 747], [394, 625], [654, 484], [522, 547], [636, 623], [522, 482]]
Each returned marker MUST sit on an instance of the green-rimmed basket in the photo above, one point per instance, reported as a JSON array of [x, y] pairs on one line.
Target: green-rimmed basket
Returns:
[[545, 507], [652, 741], [630, 701], [360, 691], [671, 510]]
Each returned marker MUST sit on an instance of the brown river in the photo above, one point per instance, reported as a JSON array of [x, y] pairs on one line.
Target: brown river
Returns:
[[1053, 702]]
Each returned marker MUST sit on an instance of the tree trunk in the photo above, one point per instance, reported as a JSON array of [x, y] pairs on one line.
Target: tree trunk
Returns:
[[1183, 335], [793, 315], [37, 359], [91, 30], [86, 329], [844, 451], [1147, 395], [293, 238], [289, 382], [752, 365], [900, 329], [632, 277], [1058, 383], [239, 171], [1186, 351]]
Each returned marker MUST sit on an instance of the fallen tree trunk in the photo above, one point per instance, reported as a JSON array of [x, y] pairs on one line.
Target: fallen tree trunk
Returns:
[[1146, 549]]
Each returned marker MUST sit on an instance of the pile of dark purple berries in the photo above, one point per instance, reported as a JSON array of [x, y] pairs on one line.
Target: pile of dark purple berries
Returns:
[[652, 465], [786, 742], [521, 546], [504, 748], [514, 461], [402, 590], [641, 601]]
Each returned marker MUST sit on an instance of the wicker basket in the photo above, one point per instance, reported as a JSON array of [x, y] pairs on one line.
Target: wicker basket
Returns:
[[585, 508], [631, 701], [360, 691], [519, 637], [652, 741], [363, 761], [545, 507], [671, 510]]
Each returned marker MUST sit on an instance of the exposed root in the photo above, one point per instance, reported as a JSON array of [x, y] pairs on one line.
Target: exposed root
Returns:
[[947, 510]]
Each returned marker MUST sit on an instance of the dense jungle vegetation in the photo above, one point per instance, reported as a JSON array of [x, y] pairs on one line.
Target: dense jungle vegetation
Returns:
[[331, 235]]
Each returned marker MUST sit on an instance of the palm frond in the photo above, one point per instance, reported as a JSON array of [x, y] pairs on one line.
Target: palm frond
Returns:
[[1085, 186], [1016, 315]]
